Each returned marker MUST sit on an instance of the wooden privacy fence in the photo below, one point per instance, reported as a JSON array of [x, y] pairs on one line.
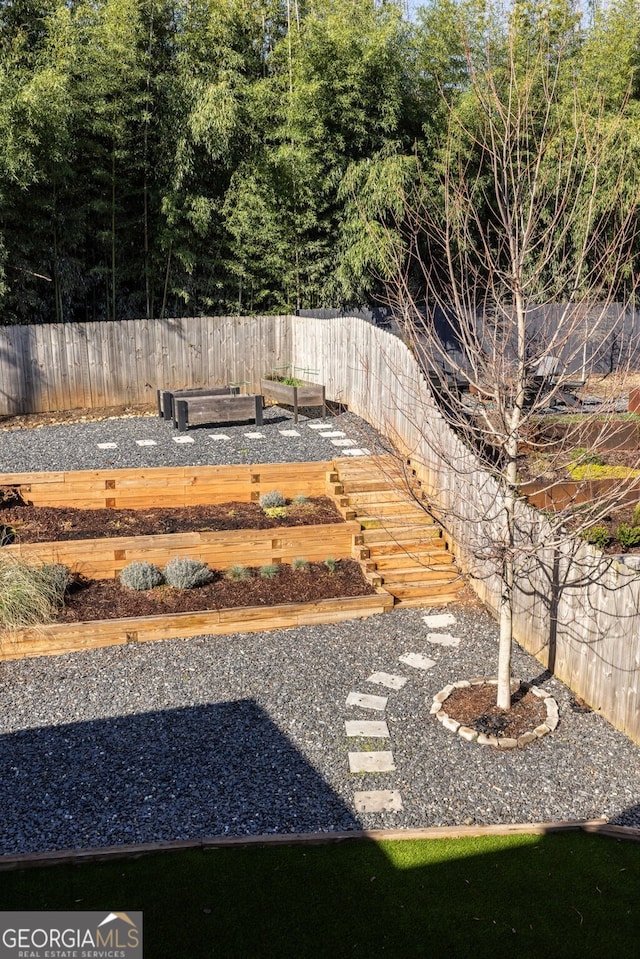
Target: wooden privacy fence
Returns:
[[72, 365], [575, 610]]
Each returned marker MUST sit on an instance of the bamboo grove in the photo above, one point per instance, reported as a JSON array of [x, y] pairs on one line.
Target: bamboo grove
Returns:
[[176, 157]]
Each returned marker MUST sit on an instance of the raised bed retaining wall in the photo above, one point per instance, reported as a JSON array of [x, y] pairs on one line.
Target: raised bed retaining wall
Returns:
[[173, 486], [104, 558], [56, 639]]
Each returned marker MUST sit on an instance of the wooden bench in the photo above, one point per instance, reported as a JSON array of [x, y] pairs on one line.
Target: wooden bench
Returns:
[[201, 410], [167, 398]]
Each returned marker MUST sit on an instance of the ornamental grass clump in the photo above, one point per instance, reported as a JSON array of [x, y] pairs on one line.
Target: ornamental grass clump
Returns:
[[238, 572], [141, 576], [302, 565], [184, 573], [30, 595], [272, 500], [269, 571], [331, 564]]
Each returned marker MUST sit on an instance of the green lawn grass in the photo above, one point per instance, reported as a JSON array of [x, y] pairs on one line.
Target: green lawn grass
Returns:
[[545, 897]]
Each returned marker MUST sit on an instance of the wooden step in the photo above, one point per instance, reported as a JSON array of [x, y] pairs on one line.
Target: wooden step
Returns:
[[434, 599], [407, 591], [392, 538], [406, 558], [383, 497], [417, 574], [401, 510]]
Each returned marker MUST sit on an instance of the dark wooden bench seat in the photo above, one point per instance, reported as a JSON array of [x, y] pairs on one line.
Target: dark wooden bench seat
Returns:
[[203, 410]]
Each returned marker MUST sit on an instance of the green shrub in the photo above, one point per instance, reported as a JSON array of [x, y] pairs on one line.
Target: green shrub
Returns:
[[272, 499], [636, 516], [269, 570], [141, 576], [301, 564], [300, 499], [597, 536], [581, 455], [30, 595], [331, 564], [628, 536], [594, 472], [275, 512], [184, 573], [238, 572]]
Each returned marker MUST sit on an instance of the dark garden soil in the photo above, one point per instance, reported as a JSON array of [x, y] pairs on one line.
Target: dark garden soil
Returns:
[[43, 524], [475, 706], [107, 599], [28, 421]]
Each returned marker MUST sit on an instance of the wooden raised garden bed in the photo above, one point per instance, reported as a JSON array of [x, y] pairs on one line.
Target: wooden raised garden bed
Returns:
[[59, 638], [103, 558], [305, 394]]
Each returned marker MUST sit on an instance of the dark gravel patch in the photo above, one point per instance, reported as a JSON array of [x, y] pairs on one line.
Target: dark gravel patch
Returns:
[[244, 734], [73, 446]]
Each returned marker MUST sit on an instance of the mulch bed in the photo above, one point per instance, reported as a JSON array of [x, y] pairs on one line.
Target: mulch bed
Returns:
[[475, 706], [107, 599], [43, 524]]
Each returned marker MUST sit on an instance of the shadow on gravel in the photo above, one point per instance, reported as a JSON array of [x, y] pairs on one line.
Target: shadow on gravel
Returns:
[[213, 770]]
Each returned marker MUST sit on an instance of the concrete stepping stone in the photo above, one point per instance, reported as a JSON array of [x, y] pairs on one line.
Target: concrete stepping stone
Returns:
[[442, 639], [390, 680], [333, 433], [357, 452], [381, 762], [342, 442], [146, 443], [367, 728], [107, 446], [367, 702], [317, 426], [183, 439], [379, 800], [254, 436], [219, 436], [288, 432], [438, 620], [417, 660]]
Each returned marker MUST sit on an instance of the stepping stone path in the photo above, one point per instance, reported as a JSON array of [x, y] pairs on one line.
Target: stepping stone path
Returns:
[[335, 437], [365, 762]]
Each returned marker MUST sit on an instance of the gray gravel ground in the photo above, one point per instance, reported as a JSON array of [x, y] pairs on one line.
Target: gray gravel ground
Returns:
[[244, 734], [74, 446]]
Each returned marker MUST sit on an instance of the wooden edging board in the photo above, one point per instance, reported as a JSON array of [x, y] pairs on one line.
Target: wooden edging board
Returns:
[[135, 851], [59, 638], [169, 486], [104, 558]]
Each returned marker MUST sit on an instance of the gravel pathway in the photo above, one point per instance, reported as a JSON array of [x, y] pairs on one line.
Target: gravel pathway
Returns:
[[74, 446], [245, 734]]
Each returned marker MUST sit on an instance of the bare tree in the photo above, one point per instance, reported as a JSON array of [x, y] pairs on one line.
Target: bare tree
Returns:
[[515, 289]]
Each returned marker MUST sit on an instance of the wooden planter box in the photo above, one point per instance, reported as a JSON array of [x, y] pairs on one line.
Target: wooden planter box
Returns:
[[308, 394], [567, 493], [104, 558], [57, 639]]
